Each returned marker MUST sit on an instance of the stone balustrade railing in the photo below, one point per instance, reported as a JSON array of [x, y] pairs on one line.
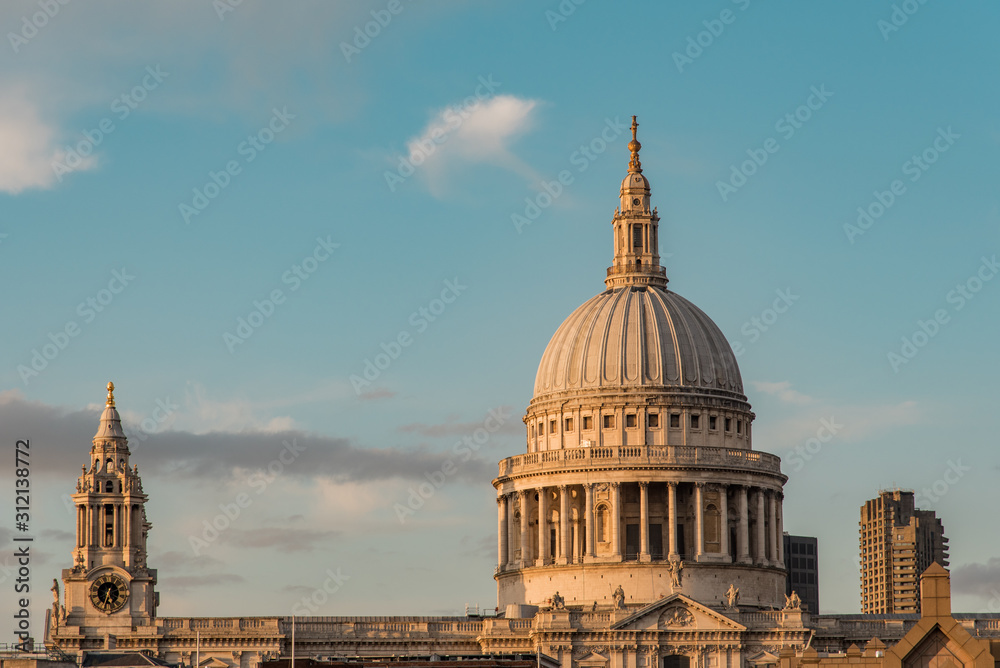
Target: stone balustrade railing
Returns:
[[631, 455]]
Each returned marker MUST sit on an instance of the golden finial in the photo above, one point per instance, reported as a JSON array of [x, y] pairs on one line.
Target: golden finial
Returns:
[[111, 394], [634, 166]]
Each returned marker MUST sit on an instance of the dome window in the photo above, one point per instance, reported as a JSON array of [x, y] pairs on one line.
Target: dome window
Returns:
[[653, 419], [569, 424], [675, 420], [729, 424], [588, 422], [609, 421], [552, 426], [713, 422], [695, 420], [630, 420], [739, 426]]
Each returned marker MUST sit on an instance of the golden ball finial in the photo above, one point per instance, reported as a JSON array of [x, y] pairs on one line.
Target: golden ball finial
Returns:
[[111, 394]]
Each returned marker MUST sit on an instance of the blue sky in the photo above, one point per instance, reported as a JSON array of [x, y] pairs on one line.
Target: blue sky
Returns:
[[294, 134]]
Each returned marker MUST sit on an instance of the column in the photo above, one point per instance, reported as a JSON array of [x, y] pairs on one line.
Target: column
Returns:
[[644, 522], [781, 529], [724, 520], [565, 549], [616, 523], [81, 530], [772, 529], [501, 531], [743, 535], [672, 520], [524, 529], [116, 516], [589, 513], [543, 539], [699, 522], [761, 556]]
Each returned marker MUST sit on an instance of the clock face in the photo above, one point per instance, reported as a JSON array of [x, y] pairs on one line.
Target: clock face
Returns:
[[109, 593]]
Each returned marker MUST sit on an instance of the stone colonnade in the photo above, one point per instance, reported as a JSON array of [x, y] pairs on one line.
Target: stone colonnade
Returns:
[[577, 523]]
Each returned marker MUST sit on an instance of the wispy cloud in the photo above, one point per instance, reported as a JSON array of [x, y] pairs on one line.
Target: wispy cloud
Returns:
[[183, 583], [29, 145], [220, 455], [783, 390], [284, 539], [478, 134]]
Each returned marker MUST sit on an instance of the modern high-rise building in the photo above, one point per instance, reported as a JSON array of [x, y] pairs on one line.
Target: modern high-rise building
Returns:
[[898, 542], [802, 564]]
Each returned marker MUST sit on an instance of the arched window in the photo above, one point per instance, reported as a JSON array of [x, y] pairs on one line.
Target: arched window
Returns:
[[713, 528], [602, 524], [109, 486]]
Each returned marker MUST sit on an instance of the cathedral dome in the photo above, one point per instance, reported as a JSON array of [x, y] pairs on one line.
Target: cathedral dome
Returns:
[[638, 337]]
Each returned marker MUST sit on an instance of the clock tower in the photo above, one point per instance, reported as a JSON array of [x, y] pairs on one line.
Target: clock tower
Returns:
[[109, 589]]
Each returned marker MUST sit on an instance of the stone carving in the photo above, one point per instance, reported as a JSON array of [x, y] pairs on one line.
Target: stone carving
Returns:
[[793, 602], [619, 598], [558, 602], [732, 596], [677, 616], [674, 567]]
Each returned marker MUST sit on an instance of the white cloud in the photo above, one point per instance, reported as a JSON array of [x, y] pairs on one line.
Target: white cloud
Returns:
[[467, 134], [30, 147], [783, 390]]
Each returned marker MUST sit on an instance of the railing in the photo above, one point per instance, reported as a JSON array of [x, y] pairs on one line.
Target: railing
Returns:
[[654, 455], [632, 268]]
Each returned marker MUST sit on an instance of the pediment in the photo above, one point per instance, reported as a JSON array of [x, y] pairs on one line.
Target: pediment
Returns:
[[762, 658], [593, 660], [677, 612], [213, 662]]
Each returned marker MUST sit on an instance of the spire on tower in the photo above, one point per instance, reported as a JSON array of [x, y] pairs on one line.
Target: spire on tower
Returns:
[[634, 166], [111, 391]]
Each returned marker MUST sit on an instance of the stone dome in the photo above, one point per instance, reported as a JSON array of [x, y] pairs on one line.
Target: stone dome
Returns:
[[638, 337]]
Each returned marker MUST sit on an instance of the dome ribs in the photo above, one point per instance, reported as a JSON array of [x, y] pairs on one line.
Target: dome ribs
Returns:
[[638, 337]]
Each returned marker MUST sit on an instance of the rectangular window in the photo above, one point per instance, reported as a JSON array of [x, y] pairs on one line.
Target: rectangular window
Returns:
[[739, 426], [695, 419], [532, 431], [630, 420], [654, 420], [729, 424], [713, 422], [552, 426], [609, 421], [675, 420], [569, 424], [588, 422]]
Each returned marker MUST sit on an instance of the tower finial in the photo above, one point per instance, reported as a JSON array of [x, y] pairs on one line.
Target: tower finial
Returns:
[[634, 166], [111, 394]]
